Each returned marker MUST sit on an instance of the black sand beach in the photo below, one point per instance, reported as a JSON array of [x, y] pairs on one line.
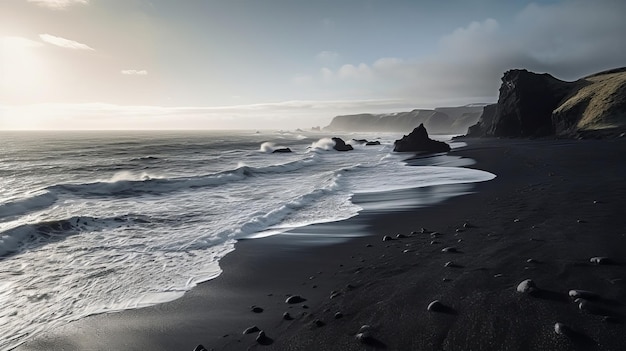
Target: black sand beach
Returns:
[[554, 205]]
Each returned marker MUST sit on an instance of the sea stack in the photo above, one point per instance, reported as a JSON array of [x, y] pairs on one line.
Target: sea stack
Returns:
[[418, 140]]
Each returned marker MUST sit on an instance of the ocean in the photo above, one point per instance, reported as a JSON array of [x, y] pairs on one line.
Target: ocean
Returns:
[[94, 222]]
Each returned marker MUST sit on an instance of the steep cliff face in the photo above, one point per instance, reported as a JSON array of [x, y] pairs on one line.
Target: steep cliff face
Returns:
[[532, 104], [526, 102], [485, 122], [444, 120]]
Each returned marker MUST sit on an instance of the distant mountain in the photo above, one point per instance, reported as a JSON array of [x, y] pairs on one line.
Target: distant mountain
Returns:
[[441, 120], [532, 104]]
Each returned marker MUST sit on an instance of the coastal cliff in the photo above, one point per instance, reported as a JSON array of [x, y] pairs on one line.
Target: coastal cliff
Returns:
[[535, 105], [441, 120]]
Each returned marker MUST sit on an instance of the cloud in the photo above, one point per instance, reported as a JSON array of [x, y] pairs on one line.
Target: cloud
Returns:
[[327, 57], [59, 4], [64, 43], [569, 39], [134, 72]]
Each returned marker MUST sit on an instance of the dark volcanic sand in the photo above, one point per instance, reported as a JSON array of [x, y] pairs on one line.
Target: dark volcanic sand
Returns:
[[557, 202]]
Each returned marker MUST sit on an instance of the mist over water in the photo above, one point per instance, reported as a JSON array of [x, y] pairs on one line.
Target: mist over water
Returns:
[[101, 221]]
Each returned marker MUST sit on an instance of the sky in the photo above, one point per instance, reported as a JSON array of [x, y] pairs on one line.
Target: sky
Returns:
[[281, 64]]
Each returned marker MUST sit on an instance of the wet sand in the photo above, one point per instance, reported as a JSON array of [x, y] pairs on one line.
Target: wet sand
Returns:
[[554, 205]]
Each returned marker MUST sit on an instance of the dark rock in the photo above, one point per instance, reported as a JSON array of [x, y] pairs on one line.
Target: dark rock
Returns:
[[435, 306], [262, 338], [256, 309], [252, 329], [485, 122], [282, 150], [319, 323], [387, 238], [450, 249], [562, 329], [583, 294], [341, 145], [526, 103], [418, 140], [334, 294], [526, 287], [294, 299], [372, 143], [360, 141], [601, 260], [338, 315], [287, 316], [400, 236], [200, 348]]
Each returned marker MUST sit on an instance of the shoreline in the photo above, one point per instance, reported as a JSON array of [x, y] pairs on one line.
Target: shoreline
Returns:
[[389, 289]]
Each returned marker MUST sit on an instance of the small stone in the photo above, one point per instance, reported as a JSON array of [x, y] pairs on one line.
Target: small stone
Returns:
[[305, 306], [434, 242], [583, 294], [287, 316], [387, 238], [449, 264], [414, 233], [516, 220], [365, 328], [435, 234], [350, 287], [423, 230], [319, 323], [580, 221], [400, 236], [459, 230], [252, 329], [562, 329], [450, 249], [526, 287], [256, 309], [435, 306], [334, 294], [600, 260], [200, 348], [368, 245], [530, 260], [293, 299], [447, 279], [499, 275], [467, 225], [364, 337], [338, 315], [261, 337]]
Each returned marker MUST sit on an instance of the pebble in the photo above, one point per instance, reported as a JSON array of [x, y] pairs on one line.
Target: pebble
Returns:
[[526, 287], [334, 294], [583, 294], [467, 225], [319, 323], [364, 337], [200, 348], [562, 329], [600, 260], [434, 242], [252, 329], [287, 316], [400, 236], [435, 306], [338, 315], [450, 249], [256, 309], [365, 328], [294, 299], [261, 337], [516, 220], [368, 245], [387, 238], [531, 260]]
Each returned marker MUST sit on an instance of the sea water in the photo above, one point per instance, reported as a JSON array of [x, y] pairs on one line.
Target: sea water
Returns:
[[93, 222]]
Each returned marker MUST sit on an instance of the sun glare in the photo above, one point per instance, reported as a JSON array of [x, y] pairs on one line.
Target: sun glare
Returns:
[[22, 70]]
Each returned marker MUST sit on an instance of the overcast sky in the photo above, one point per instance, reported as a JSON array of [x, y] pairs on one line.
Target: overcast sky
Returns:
[[282, 64]]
